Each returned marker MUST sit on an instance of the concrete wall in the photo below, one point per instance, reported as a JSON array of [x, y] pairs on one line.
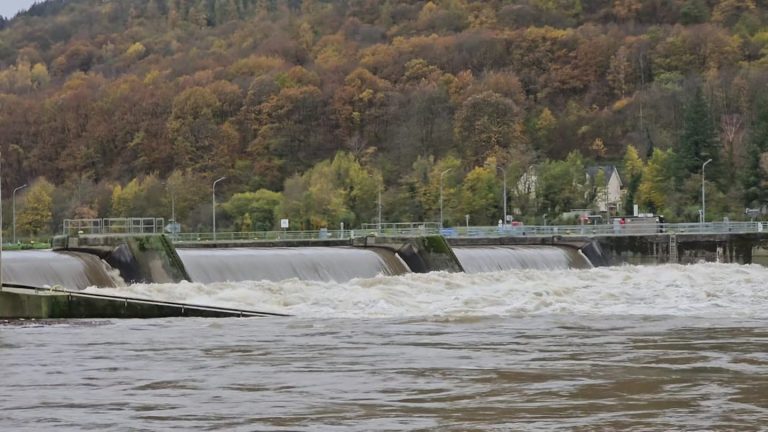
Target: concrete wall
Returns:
[[691, 248], [42, 304], [139, 258], [421, 254]]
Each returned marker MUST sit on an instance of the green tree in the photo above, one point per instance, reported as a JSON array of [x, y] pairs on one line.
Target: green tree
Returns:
[[656, 186], [36, 214], [258, 208], [633, 175], [332, 191], [561, 184], [480, 195]]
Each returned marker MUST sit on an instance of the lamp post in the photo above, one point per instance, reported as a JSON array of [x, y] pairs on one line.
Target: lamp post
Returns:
[[379, 219], [172, 192], [13, 204], [703, 201], [504, 200], [214, 206], [441, 195]]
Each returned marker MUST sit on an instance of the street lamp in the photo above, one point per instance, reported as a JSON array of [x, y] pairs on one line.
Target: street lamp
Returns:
[[214, 206], [172, 192], [13, 204], [504, 200], [379, 220], [703, 201], [441, 195]]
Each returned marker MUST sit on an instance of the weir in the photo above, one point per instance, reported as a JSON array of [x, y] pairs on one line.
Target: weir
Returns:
[[339, 264], [477, 259], [153, 259], [111, 260], [74, 270]]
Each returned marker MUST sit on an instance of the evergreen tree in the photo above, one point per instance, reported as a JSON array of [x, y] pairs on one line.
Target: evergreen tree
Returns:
[[698, 142], [755, 178]]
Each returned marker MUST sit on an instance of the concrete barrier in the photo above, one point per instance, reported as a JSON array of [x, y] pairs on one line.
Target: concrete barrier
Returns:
[[149, 258], [421, 254], [35, 303]]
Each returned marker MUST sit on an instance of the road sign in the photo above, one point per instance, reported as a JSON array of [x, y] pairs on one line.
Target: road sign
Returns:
[[284, 223], [173, 228]]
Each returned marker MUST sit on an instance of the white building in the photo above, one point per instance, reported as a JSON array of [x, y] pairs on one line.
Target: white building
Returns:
[[609, 194]]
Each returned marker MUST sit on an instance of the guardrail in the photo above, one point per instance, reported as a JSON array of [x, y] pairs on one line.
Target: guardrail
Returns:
[[400, 230], [143, 225], [608, 230]]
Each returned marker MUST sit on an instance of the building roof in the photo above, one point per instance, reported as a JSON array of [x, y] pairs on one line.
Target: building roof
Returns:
[[609, 170]]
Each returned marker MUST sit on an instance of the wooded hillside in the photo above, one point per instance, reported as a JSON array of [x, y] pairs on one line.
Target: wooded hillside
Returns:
[[311, 107]]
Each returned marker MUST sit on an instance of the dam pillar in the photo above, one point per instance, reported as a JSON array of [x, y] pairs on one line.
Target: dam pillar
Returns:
[[421, 254], [142, 258]]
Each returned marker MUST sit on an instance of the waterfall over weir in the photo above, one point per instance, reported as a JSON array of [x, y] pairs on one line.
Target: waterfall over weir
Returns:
[[71, 270], [480, 259], [339, 264], [80, 270]]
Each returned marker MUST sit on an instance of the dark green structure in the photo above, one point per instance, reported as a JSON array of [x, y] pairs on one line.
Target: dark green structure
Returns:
[[141, 258], [34, 303]]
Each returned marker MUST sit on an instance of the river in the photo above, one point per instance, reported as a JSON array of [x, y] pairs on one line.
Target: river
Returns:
[[640, 348]]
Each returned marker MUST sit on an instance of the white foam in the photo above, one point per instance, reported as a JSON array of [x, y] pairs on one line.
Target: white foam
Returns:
[[706, 289]]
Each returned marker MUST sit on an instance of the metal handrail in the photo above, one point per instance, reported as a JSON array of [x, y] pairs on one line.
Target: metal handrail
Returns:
[[142, 225], [485, 231]]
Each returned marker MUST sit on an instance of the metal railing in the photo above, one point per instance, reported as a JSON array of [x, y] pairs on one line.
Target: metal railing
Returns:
[[607, 230], [267, 236], [401, 226], [402, 230], [113, 226]]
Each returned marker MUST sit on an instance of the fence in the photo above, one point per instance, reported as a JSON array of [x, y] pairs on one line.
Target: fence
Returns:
[[414, 230], [156, 226], [113, 226]]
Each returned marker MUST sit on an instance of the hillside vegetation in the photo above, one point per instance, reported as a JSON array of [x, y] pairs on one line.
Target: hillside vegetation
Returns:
[[310, 108]]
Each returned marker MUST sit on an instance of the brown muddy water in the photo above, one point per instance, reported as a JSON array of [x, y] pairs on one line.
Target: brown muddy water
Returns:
[[634, 348]]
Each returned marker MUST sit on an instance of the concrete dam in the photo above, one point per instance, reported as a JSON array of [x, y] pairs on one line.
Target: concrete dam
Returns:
[[77, 263], [107, 260], [123, 260]]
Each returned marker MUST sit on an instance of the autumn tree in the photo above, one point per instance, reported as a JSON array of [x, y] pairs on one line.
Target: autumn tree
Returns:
[[487, 124]]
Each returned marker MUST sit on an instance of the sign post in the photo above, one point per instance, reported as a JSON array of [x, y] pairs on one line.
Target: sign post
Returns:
[[284, 225]]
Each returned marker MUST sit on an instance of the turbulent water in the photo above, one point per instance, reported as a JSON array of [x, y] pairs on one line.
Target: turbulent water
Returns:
[[639, 348]]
